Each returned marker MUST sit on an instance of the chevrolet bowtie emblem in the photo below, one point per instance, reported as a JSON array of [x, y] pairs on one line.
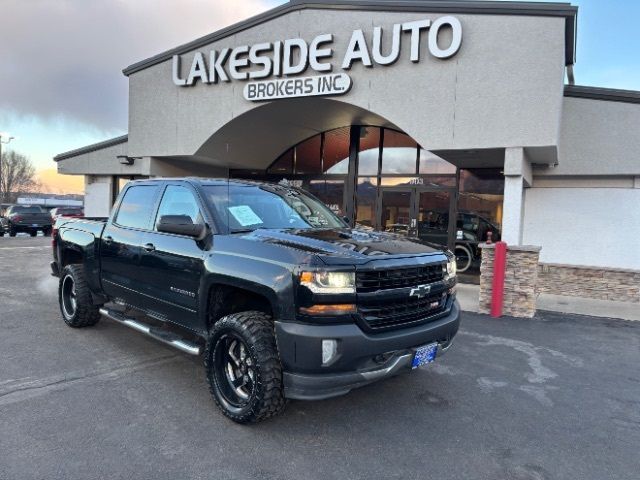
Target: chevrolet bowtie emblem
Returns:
[[420, 291]]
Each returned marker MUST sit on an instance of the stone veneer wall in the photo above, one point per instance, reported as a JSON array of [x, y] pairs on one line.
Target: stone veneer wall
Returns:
[[589, 282], [521, 275]]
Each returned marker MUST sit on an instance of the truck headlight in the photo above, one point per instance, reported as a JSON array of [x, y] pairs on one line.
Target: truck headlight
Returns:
[[451, 267], [329, 282]]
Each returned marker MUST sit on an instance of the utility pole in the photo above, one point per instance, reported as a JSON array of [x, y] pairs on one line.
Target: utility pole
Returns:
[[3, 134]]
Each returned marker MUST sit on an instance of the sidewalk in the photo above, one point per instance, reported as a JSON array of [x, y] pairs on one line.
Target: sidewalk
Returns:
[[468, 296]]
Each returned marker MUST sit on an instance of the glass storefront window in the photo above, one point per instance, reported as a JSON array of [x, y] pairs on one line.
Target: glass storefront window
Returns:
[[334, 195], [399, 153], [366, 192], [336, 151], [308, 156], [284, 164], [396, 211], [369, 151], [481, 195], [432, 164]]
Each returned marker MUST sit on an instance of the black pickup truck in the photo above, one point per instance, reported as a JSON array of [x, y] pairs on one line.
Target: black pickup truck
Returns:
[[26, 218], [284, 299]]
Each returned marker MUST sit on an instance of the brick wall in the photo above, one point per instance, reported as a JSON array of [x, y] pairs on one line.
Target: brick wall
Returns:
[[521, 276], [589, 282]]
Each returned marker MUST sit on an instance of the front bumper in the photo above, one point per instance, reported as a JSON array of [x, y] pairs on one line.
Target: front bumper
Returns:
[[362, 358]]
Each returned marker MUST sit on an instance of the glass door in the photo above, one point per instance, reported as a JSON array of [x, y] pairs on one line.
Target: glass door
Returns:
[[396, 211], [421, 212], [435, 210]]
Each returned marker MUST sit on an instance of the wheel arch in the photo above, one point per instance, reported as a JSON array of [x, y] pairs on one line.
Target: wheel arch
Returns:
[[227, 297]]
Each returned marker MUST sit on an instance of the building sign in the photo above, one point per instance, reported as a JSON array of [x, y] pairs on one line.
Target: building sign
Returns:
[[332, 84], [295, 56]]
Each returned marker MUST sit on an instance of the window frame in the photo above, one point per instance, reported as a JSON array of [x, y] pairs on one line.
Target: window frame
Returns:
[[154, 208], [196, 198]]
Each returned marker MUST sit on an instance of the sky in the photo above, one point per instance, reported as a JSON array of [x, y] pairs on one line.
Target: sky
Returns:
[[61, 61]]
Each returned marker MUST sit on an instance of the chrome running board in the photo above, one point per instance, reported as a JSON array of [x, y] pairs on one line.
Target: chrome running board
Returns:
[[163, 336]]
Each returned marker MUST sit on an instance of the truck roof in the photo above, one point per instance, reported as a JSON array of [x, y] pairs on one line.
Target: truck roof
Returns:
[[204, 181]]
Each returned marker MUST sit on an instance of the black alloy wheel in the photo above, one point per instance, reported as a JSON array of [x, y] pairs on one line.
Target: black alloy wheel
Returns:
[[235, 370], [243, 367], [68, 297], [76, 305]]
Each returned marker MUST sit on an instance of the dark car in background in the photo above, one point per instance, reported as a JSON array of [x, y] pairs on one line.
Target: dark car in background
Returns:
[[26, 218], [471, 230], [69, 212]]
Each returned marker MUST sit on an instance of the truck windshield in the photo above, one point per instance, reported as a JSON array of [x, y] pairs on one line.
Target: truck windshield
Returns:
[[244, 208]]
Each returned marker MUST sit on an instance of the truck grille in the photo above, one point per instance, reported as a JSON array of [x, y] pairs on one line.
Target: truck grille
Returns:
[[392, 314], [372, 281]]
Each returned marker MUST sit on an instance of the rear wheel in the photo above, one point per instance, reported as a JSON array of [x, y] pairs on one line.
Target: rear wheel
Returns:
[[33, 233], [243, 367], [76, 304], [46, 232], [12, 232]]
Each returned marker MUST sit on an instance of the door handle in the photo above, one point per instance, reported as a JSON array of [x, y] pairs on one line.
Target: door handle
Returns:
[[108, 239], [149, 247]]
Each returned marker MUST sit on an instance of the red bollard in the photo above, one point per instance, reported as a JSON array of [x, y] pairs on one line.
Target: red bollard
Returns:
[[497, 288]]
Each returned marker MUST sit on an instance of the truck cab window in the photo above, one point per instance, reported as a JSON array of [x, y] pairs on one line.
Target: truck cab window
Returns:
[[137, 206], [178, 200]]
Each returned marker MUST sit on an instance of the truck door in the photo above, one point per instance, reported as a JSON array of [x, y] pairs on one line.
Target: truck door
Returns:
[[172, 265], [122, 240]]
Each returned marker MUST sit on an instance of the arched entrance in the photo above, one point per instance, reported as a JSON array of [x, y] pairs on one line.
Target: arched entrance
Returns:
[[377, 177], [367, 169]]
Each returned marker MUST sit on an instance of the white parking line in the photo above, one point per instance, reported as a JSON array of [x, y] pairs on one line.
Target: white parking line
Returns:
[[25, 248]]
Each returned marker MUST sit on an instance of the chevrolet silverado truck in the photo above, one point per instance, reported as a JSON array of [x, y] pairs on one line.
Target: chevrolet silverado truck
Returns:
[[284, 300]]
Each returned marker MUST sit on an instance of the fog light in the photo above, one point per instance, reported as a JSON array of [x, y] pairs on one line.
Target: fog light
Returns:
[[329, 351]]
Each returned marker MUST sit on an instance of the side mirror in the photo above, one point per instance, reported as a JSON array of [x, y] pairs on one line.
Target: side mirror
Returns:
[[181, 225]]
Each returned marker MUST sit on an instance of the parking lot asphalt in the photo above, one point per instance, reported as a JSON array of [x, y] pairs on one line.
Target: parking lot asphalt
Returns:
[[556, 397]]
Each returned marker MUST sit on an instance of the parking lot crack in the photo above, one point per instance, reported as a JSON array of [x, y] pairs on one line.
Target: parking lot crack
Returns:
[[35, 388]]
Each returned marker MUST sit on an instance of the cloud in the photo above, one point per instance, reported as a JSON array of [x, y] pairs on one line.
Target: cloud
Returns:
[[63, 58]]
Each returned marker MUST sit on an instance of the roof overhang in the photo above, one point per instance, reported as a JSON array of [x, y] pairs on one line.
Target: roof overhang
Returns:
[[598, 93], [92, 148], [542, 9]]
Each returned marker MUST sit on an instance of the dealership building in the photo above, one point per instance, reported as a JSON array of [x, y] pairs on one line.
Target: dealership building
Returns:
[[446, 120]]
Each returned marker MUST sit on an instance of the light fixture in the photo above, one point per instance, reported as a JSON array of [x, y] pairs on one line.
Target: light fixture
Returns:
[[126, 160]]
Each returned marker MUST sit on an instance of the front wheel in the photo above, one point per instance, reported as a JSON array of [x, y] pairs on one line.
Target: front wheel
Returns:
[[243, 367], [46, 232], [463, 258], [76, 304], [12, 232]]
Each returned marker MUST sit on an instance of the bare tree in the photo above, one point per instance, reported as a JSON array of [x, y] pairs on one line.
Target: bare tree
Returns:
[[18, 176]]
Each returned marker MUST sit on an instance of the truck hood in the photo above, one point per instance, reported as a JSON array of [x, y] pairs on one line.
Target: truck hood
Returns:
[[331, 245]]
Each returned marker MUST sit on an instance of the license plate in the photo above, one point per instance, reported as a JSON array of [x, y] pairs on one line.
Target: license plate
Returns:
[[424, 355]]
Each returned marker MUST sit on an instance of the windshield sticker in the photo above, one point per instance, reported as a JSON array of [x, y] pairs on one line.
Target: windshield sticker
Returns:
[[244, 215]]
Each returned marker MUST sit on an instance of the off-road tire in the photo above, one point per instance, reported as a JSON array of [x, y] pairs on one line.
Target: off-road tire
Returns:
[[86, 314], [255, 329]]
